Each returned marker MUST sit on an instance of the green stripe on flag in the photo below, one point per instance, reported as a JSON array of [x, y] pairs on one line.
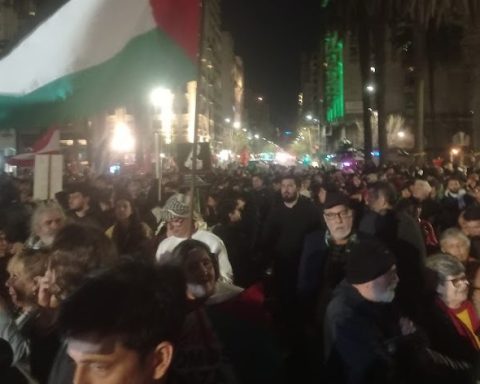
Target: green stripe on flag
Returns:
[[148, 61]]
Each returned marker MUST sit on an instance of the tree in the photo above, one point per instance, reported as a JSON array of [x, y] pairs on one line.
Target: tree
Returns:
[[368, 21], [426, 18]]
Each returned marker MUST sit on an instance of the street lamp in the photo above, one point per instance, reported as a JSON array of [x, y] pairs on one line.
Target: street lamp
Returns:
[[237, 125], [401, 134], [453, 153], [370, 88]]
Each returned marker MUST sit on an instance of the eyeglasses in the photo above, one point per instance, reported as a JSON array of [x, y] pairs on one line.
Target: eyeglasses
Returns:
[[457, 283], [340, 215]]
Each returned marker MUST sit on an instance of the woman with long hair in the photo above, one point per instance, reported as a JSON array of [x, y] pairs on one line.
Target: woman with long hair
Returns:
[[129, 234]]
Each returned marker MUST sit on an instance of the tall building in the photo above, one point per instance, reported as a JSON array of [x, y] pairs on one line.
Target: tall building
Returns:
[[232, 92], [331, 90]]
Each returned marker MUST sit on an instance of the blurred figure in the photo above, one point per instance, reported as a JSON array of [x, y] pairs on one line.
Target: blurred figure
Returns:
[[130, 235], [235, 240], [452, 204], [78, 251], [111, 343], [31, 337], [83, 209], [224, 323]]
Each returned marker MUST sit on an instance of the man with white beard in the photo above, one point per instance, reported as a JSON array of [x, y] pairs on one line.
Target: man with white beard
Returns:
[[362, 330]]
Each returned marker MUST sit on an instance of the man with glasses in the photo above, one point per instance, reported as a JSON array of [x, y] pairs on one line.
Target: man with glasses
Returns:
[[324, 252], [322, 266]]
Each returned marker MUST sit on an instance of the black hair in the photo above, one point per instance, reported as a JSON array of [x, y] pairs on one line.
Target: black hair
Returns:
[[182, 252], [225, 207], [386, 189], [296, 179], [139, 305], [132, 238]]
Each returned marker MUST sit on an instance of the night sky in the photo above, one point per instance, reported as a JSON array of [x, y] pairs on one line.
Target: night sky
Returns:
[[270, 35]]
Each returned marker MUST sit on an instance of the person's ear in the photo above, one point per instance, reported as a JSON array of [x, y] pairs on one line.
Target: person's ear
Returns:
[[162, 358]]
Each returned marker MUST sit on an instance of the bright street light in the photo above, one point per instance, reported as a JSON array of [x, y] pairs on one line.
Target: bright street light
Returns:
[[370, 88], [257, 136], [455, 151], [228, 120], [162, 99], [159, 96], [372, 69], [122, 140], [309, 117], [401, 134], [236, 125]]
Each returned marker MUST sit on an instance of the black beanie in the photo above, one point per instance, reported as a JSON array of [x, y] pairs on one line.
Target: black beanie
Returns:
[[336, 198], [367, 260]]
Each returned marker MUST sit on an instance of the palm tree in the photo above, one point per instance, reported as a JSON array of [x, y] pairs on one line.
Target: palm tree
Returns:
[[368, 21], [427, 17]]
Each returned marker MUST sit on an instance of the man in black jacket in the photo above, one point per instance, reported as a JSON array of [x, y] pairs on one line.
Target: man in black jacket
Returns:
[[362, 331], [283, 234]]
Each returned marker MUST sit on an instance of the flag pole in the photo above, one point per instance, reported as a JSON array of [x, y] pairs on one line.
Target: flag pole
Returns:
[[201, 42]]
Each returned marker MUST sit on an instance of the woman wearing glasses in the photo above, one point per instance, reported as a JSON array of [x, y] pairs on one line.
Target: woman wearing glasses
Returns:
[[451, 322]]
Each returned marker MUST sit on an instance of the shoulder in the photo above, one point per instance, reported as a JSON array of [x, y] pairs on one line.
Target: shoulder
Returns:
[[208, 238]]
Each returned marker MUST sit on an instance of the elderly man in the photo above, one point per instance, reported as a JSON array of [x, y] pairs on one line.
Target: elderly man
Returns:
[[47, 219], [362, 332], [179, 228], [323, 258]]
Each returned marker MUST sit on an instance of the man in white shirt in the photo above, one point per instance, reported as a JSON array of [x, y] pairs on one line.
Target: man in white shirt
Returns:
[[176, 213]]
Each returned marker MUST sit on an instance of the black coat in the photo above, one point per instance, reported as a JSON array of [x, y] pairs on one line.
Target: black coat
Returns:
[[362, 340]]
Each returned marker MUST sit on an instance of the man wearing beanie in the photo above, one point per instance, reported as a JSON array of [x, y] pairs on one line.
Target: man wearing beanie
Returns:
[[361, 329]]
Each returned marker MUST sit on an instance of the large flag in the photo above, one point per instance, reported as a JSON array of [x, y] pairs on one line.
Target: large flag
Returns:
[[94, 55]]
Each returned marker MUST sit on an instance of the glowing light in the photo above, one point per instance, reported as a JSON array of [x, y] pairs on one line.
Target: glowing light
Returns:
[[257, 136], [370, 88], [224, 155], [228, 120], [122, 140], [455, 151], [309, 117], [162, 98], [401, 134], [236, 125], [283, 157], [372, 69], [260, 98]]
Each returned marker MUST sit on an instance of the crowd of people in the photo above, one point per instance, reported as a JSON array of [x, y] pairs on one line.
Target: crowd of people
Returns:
[[276, 275]]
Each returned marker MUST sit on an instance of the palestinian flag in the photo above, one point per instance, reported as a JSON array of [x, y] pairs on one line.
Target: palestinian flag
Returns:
[[95, 55]]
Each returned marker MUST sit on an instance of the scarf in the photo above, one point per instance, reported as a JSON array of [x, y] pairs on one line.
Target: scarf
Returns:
[[465, 320]]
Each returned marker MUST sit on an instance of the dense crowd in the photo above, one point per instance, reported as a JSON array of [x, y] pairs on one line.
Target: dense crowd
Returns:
[[283, 275]]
